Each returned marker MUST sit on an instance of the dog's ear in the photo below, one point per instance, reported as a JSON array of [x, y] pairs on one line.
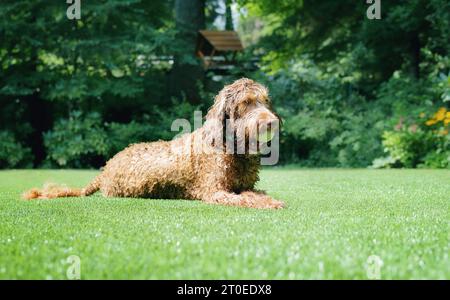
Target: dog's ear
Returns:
[[217, 110], [216, 121]]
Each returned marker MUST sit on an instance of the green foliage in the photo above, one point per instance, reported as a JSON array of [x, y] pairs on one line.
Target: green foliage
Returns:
[[85, 140], [358, 143], [122, 135], [338, 79], [410, 148], [406, 97], [78, 59], [330, 30], [438, 159], [416, 149], [420, 143], [341, 80], [326, 121], [77, 142], [163, 119], [150, 128], [107, 62], [13, 154]]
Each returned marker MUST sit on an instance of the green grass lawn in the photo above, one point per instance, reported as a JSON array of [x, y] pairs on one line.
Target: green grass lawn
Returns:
[[334, 220]]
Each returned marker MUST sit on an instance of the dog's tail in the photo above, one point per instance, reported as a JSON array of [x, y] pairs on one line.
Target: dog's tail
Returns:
[[50, 191]]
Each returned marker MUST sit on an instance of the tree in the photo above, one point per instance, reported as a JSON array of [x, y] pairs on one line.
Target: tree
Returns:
[[51, 65], [228, 15], [329, 30], [187, 70]]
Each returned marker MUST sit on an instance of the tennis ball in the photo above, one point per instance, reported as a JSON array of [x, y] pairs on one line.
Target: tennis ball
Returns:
[[266, 136]]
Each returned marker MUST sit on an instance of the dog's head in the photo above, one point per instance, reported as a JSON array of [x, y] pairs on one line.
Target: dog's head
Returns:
[[244, 109]]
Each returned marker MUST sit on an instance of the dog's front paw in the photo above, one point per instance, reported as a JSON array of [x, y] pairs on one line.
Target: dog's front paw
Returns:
[[259, 200], [268, 202], [273, 204]]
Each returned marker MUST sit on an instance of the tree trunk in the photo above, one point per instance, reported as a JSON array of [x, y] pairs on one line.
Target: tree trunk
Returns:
[[187, 70], [39, 111], [228, 16], [39, 115]]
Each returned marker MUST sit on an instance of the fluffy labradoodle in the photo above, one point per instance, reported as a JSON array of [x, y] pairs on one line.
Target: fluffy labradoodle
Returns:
[[197, 166]]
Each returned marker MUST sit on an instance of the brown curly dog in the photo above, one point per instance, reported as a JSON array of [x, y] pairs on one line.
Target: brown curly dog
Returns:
[[198, 165]]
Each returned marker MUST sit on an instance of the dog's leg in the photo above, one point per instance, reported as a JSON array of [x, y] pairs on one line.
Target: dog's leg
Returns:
[[244, 199]]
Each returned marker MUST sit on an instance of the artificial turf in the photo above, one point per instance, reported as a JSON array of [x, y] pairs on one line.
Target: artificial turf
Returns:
[[334, 220]]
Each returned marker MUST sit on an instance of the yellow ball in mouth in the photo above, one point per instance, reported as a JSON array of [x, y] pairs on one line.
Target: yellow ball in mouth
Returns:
[[266, 136]]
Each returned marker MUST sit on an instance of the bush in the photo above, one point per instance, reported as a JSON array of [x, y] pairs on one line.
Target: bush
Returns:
[[122, 135], [409, 148], [437, 159], [12, 153], [439, 125], [77, 142], [327, 122], [358, 141], [85, 141], [422, 144]]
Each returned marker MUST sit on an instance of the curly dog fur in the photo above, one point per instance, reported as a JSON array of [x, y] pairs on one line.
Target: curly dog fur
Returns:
[[193, 166]]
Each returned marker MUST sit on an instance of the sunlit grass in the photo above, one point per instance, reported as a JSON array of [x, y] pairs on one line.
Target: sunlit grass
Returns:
[[334, 220]]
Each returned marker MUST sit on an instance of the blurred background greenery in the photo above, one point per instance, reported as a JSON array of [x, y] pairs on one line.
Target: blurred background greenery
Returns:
[[352, 92]]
